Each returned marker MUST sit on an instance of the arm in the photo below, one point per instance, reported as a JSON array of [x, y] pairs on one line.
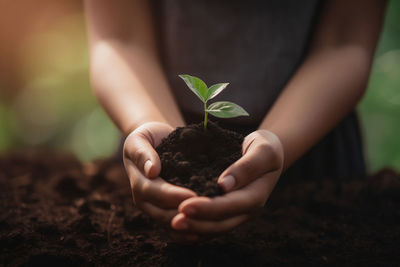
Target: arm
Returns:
[[332, 78], [327, 85], [125, 70], [128, 80]]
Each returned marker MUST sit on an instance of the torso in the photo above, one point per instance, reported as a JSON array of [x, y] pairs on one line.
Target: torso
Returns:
[[254, 45]]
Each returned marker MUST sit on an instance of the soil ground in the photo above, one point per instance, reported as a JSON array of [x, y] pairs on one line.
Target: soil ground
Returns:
[[55, 210]]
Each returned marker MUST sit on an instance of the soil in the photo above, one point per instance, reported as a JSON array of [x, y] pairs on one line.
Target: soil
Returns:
[[55, 210], [194, 158]]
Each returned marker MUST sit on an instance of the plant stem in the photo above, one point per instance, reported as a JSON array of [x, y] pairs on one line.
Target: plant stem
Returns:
[[205, 116]]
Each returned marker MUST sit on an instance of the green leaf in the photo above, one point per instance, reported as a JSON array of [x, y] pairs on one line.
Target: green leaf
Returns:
[[225, 109], [196, 85], [215, 89]]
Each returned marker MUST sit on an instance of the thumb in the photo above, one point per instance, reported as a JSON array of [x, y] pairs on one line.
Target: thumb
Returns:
[[139, 149], [260, 157]]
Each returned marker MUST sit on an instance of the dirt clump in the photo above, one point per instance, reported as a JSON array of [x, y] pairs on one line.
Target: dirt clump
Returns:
[[194, 157]]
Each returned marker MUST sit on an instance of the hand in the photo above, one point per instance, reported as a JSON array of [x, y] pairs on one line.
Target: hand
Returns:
[[248, 183], [150, 193]]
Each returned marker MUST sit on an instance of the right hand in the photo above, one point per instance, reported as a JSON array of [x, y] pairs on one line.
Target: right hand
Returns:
[[150, 193]]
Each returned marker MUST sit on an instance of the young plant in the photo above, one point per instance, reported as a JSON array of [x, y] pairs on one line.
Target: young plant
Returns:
[[220, 109]]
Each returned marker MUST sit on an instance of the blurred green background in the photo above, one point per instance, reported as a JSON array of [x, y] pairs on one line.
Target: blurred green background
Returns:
[[46, 100], [380, 108]]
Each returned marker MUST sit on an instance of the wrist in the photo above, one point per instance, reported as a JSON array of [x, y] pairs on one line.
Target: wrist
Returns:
[[140, 123], [148, 126]]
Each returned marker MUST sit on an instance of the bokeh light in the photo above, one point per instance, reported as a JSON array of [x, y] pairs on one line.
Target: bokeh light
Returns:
[[55, 106]]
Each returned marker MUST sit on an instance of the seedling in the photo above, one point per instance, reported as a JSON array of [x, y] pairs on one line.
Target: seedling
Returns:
[[220, 109]]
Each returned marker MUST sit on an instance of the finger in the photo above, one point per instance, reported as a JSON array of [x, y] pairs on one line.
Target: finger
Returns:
[[161, 215], [182, 223], [259, 157], [140, 144], [140, 150], [248, 199], [163, 194], [156, 191]]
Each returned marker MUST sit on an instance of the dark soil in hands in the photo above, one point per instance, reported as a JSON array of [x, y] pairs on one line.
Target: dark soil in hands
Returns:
[[55, 211], [193, 157]]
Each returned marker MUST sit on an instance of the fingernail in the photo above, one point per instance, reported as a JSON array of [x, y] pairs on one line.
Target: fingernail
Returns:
[[228, 182], [147, 167], [190, 211], [181, 225]]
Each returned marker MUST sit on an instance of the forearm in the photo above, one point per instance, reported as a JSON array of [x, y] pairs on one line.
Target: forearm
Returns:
[[331, 79], [325, 88], [125, 70], [130, 85]]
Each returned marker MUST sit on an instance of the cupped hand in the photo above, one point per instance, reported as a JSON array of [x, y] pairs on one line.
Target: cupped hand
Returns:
[[150, 193], [248, 183]]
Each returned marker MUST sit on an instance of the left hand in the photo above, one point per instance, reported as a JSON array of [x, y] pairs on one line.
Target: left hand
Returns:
[[248, 183]]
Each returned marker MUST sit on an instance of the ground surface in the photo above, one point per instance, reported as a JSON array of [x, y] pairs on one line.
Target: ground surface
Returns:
[[55, 210]]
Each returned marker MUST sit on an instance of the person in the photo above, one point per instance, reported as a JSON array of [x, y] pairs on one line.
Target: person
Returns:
[[298, 67]]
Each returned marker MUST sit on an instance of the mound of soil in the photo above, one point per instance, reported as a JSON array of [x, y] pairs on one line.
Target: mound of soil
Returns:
[[55, 210], [194, 157]]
